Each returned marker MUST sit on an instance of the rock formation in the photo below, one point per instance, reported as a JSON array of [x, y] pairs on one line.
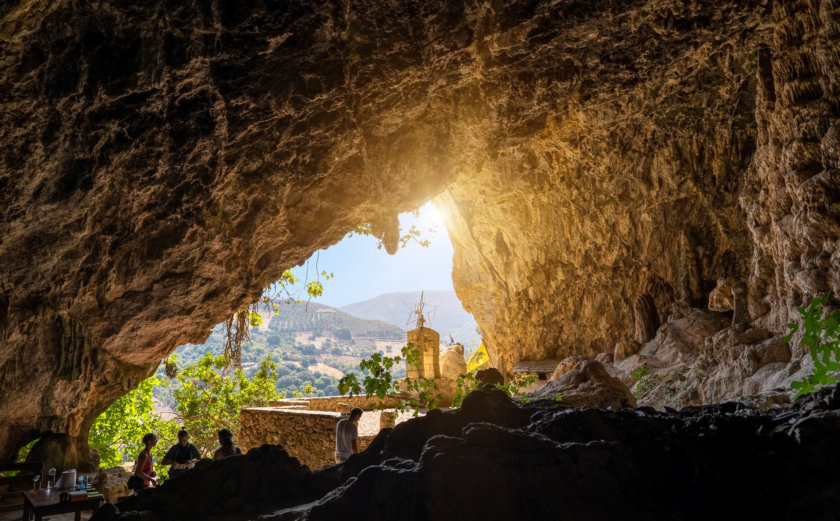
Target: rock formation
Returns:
[[740, 308], [655, 160], [624, 349], [452, 363], [703, 359], [112, 483], [566, 365], [587, 385], [160, 165], [646, 319], [494, 459]]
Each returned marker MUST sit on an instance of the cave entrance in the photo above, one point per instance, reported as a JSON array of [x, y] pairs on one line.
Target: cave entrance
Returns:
[[366, 306], [309, 339]]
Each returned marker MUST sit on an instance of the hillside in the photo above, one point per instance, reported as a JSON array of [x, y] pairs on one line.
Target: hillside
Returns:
[[316, 344], [444, 313], [312, 344], [320, 318]]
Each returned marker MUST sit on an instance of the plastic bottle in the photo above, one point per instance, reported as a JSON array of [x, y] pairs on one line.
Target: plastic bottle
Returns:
[[51, 480]]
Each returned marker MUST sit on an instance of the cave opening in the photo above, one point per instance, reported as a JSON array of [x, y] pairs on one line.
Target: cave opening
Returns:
[[310, 328], [645, 194], [356, 279]]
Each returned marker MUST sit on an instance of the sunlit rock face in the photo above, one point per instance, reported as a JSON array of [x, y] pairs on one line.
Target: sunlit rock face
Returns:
[[161, 163], [649, 148]]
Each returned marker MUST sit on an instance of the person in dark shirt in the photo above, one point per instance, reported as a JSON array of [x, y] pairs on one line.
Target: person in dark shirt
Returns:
[[182, 456], [227, 447]]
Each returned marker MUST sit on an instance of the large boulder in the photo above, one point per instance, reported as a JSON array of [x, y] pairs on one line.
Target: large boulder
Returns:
[[588, 384], [566, 365], [112, 483], [452, 362], [590, 465], [266, 477]]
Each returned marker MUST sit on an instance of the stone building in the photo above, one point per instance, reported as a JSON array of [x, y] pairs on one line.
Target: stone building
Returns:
[[541, 370], [427, 340]]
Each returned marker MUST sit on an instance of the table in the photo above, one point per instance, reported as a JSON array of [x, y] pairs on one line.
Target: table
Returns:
[[40, 503]]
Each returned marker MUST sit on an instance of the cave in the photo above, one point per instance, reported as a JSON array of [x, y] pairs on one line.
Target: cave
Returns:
[[608, 169]]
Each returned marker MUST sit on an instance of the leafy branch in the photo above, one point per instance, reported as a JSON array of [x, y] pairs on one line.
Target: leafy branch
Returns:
[[515, 387], [466, 383], [821, 334], [379, 382]]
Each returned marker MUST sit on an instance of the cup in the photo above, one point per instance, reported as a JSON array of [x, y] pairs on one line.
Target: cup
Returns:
[[64, 497]]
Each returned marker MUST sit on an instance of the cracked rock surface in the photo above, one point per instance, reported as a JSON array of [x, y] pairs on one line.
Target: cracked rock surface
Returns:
[[161, 162]]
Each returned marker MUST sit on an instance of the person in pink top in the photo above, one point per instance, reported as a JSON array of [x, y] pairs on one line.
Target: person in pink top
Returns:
[[144, 467]]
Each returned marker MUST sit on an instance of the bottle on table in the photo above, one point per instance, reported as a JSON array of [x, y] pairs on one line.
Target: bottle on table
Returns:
[[51, 480]]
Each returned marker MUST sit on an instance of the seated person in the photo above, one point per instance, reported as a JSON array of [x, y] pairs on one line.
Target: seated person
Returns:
[[227, 448], [182, 456], [144, 475]]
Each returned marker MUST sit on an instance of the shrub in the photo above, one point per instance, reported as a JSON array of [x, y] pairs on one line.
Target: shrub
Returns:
[[464, 385], [640, 372], [646, 384], [381, 382]]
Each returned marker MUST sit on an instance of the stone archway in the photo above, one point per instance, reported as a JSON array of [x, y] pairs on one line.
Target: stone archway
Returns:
[[161, 165]]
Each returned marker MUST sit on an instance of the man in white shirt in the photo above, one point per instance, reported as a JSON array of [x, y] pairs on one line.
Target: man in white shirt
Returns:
[[346, 434]]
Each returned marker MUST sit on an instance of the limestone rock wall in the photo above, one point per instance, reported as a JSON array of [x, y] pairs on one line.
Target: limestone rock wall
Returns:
[[792, 193], [657, 149], [161, 163]]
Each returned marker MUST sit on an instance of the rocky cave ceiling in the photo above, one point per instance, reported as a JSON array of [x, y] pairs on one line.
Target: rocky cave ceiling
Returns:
[[161, 162]]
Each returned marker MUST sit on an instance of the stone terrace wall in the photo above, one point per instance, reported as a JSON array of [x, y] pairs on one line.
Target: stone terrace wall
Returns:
[[306, 435], [333, 403]]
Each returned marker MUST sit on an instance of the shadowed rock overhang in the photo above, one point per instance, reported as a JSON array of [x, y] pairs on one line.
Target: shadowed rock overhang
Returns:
[[161, 163]]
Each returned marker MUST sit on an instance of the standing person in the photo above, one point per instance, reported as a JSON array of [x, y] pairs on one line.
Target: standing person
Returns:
[[144, 468], [182, 456], [346, 436], [227, 448]]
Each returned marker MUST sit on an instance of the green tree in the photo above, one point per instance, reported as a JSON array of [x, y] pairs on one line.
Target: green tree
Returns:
[[117, 432], [343, 334], [210, 395]]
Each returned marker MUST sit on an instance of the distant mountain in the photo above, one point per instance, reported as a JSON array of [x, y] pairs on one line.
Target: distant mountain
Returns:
[[443, 311]]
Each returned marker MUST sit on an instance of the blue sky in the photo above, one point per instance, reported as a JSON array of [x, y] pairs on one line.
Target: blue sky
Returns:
[[361, 271]]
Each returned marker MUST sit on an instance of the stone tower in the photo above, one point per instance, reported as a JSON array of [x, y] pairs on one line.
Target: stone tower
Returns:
[[428, 342]]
